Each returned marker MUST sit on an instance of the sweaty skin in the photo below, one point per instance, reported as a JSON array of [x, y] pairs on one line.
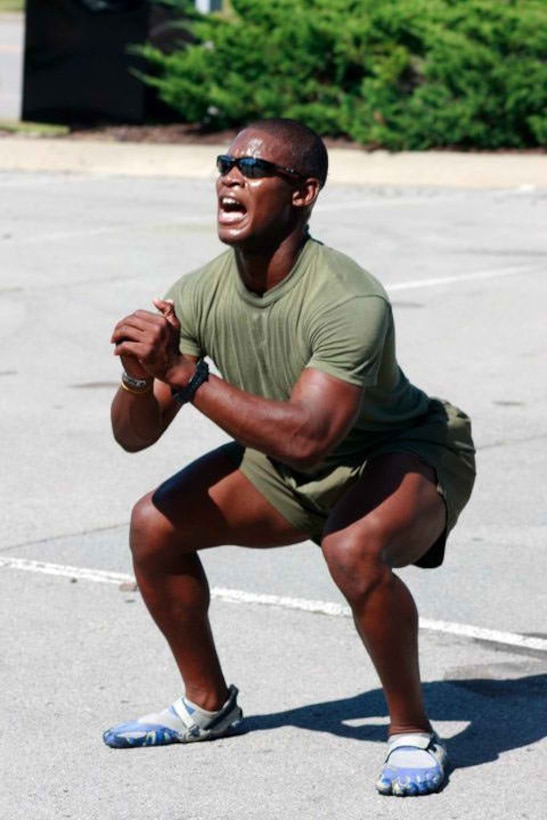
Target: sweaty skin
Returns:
[[389, 518], [267, 237]]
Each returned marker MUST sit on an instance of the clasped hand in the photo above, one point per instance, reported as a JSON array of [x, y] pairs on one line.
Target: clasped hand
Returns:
[[148, 343]]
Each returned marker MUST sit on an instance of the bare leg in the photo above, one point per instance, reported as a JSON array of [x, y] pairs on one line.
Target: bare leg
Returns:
[[208, 504], [177, 597], [388, 519]]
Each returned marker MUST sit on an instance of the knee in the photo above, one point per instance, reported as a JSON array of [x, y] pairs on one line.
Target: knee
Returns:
[[357, 563], [148, 533]]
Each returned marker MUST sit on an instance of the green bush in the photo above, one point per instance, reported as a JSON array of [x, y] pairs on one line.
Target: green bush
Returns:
[[401, 74]]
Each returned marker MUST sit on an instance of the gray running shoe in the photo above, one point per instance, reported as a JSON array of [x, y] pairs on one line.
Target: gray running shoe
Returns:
[[182, 722]]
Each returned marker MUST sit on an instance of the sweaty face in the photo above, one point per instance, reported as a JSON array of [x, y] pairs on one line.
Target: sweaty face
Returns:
[[255, 213]]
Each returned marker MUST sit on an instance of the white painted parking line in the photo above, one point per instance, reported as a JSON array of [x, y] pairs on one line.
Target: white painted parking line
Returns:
[[149, 226], [465, 277], [378, 202], [12, 179], [238, 596], [391, 287], [78, 573]]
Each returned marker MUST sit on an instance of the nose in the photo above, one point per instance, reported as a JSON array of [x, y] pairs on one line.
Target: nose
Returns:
[[232, 177]]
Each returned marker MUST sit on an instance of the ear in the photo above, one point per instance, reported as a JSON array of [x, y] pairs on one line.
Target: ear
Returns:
[[306, 194]]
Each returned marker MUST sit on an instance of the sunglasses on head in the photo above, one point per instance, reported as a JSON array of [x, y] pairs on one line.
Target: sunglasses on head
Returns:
[[254, 168]]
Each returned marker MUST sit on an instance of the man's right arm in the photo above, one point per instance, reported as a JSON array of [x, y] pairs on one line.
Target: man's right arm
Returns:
[[145, 343], [140, 419]]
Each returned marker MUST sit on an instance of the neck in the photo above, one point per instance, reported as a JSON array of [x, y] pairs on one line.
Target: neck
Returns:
[[263, 269]]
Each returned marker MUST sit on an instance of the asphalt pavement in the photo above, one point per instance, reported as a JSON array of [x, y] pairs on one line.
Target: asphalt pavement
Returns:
[[465, 268], [97, 230]]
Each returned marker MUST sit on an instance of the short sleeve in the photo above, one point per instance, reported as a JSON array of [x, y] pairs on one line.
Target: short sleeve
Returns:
[[183, 298], [348, 340]]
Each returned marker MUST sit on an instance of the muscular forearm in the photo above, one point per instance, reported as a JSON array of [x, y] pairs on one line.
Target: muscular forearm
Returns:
[[298, 432], [285, 430], [147, 345], [136, 420]]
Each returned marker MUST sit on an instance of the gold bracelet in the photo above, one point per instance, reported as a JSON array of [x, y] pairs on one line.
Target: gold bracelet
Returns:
[[137, 392]]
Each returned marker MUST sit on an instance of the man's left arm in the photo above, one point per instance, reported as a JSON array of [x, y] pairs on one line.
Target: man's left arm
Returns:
[[347, 344], [300, 432], [324, 403]]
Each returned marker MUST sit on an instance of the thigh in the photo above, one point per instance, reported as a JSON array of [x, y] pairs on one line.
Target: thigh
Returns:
[[211, 503], [394, 508]]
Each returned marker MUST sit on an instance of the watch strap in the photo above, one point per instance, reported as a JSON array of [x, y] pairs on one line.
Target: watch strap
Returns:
[[183, 395]]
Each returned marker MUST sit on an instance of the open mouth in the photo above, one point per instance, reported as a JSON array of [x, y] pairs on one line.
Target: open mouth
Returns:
[[230, 210]]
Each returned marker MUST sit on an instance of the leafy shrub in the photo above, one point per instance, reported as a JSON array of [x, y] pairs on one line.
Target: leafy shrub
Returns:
[[402, 74]]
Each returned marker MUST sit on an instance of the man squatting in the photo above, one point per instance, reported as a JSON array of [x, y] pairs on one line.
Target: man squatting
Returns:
[[329, 442]]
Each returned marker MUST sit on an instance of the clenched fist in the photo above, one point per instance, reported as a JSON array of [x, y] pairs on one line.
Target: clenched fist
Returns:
[[148, 343]]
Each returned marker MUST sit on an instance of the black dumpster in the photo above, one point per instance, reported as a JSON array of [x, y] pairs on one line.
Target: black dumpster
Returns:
[[77, 69]]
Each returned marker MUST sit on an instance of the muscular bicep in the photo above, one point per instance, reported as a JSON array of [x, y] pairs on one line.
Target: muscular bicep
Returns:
[[332, 407]]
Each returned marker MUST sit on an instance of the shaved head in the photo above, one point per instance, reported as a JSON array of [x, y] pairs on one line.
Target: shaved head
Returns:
[[306, 151]]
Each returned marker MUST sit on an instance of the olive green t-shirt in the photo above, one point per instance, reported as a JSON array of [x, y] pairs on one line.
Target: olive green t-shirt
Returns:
[[328, 313]]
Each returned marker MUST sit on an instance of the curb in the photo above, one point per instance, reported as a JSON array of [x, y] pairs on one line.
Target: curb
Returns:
[[431, 169]]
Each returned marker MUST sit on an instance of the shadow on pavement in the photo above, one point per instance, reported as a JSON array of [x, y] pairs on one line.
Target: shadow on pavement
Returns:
[[502, 715]]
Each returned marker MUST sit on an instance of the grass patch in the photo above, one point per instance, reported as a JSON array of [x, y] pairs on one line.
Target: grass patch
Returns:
[[39, 129], [12, 5]]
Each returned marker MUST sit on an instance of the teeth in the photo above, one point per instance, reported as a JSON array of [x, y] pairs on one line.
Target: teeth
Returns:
[[231, 210]]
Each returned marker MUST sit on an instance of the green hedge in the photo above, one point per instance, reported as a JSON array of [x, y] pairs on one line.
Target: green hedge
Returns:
[[401, 74]]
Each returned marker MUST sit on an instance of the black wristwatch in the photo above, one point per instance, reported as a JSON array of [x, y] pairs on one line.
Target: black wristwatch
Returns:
[[183, 395]]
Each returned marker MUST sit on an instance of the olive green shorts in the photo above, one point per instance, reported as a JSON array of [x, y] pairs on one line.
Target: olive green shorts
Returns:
[[441, 438]]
